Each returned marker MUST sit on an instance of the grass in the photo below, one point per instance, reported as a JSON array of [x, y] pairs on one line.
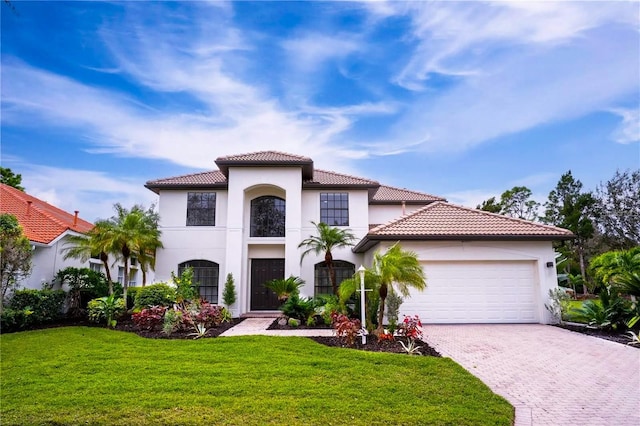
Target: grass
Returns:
[[574, 305], [82, 375]]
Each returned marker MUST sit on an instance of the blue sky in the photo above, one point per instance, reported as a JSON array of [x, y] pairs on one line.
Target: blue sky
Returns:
[[458, 99]]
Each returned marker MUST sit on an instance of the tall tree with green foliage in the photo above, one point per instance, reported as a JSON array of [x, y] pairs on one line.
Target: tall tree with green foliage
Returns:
[[570, 208], [93, 244], [129, 233], [15, 255], [328, 238], [515, 202], [9, 178], [617, 210], [394, 270]]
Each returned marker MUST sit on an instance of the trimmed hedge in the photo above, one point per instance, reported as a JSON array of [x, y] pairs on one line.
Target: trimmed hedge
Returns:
[[155, 295], [28, 308]]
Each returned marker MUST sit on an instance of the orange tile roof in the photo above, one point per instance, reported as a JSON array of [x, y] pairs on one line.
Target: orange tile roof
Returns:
[[444, 219], [41, 222], [386, 194]]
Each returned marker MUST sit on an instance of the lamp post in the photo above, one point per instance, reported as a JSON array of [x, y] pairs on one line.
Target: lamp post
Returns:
[[361, 270]]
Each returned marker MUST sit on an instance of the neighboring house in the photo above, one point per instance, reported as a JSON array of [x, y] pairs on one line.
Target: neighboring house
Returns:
[[47, 228], [248, 218]]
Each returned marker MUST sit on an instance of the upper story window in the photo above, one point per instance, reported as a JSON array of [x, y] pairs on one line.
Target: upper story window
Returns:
[[267, 217], [201, 209], [334, 208]]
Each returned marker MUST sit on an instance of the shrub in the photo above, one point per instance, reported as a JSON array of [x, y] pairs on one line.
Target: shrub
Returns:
[[326, 305], [15, 319], [172, 321], [185, 289], [132, 292], [393, 309], [229, 293], [150, 318], [38, 306], [203, 313], [410, 327], [346, 329], [106, 309], [612, 312], [155, 295], [298, 307], [286, 287], [559, 305]]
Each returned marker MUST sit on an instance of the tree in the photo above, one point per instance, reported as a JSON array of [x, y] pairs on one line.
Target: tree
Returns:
[[9, 178], [570, 208], [328, 239], [515, 202], [395, 268], [130, 233], [93, 244], [618, 268], [490, 205], [617, 210], [15, 255], [229, 293]]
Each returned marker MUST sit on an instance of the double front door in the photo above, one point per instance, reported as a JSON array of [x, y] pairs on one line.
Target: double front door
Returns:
[[262, 271]]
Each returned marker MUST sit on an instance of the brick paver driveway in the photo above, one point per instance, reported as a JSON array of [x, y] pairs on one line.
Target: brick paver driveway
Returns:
[[552, 376]]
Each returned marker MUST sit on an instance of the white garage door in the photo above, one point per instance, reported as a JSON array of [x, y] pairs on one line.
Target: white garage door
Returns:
[[476, 292]]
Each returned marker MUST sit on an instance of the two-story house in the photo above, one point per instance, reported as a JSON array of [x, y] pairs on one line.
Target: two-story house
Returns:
[[249, 216]]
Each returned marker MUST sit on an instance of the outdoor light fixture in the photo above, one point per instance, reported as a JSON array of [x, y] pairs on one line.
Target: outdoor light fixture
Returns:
[[549, 264], [361, 270]]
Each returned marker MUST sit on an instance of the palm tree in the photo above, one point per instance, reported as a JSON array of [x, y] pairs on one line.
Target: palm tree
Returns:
[[132, 232], [328, 239], [285, 287], [91, 244], [396, 268]]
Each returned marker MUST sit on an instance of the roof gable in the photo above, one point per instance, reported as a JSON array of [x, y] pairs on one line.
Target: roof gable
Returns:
[[266, 159], [443, 221], [41, 222]]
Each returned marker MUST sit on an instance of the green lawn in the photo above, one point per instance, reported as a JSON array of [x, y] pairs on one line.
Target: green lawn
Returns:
[[82, 375], [573, 306]]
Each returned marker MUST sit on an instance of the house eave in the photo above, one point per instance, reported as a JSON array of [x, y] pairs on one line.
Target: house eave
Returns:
[[181, 186], [371, 240], [306, 165]]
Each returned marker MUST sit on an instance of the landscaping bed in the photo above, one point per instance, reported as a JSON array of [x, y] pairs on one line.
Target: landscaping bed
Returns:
[[374, 345], [319, 325], [126, 324], [613, 336]]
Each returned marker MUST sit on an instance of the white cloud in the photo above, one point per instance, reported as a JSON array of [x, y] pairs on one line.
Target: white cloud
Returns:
[[629, 129], [92, 193], [472, 197]]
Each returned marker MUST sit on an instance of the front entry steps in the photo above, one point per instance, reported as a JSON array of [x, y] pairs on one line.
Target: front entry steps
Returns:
[[261, 314]]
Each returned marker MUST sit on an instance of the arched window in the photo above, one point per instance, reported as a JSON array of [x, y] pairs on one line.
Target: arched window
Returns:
[[267, 217], [205, 276], [343, 271]]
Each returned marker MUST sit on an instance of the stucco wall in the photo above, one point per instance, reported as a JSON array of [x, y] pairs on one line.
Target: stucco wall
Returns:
[[383, 213], [540, 252]]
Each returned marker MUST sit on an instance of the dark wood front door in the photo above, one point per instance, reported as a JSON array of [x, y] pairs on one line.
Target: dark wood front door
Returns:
[[263, 270]]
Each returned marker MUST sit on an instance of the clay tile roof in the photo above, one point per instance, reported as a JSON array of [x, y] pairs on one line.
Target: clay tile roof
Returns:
[[212, 178], [266, 157], [41, 222], [324, 177], [386, 194], [440, 219]]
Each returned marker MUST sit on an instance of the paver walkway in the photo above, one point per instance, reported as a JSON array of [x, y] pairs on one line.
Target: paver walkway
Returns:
[[552, 376], [253, 326]]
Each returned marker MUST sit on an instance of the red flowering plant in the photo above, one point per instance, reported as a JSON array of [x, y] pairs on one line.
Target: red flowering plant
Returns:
[[411, 327], [386, 337]]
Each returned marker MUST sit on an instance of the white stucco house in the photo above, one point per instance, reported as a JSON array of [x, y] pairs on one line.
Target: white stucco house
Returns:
[[48, 228], [249, 216]]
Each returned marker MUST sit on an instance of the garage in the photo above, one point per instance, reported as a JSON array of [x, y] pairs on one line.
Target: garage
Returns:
[[476, 292]]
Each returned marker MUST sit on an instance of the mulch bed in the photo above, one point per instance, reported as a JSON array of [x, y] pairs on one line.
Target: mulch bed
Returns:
[[374, 346], [126, 324], [602, 334], [320, 326]]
